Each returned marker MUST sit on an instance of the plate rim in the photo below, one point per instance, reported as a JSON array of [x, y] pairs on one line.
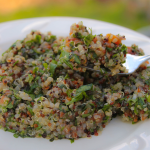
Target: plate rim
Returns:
[[67, 17]]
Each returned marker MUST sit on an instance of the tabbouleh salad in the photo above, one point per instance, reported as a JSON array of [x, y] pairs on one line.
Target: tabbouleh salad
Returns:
[[46, 91]]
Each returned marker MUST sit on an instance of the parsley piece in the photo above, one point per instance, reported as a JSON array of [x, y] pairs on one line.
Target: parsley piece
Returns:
[[84, 88], [2, 77], [38, 39], [51, 140], [71, 140], [60, 136], [105, 119], [78, 35], [106, 107], [10, 105], [52, 67], [124, 49], [30, 78], [88, 39], [148, 98], [76, 58], [64, 58], [85, 115], [147, 81], [62, 86], [51, 39], [30, 110], [109, 49], [16, 135], [55, 99], [81, 93], [15, 63], [69, 91], [45, 65], [35, 70]]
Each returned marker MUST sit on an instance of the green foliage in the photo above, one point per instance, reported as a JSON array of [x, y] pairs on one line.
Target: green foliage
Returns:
[[106, 107], [84, 88], [81, 93], [30, 110], [115, 12], [45, 65], [72, 140], [52, 68], [88, 39], [10, 105], [64, 58], [38, 39]]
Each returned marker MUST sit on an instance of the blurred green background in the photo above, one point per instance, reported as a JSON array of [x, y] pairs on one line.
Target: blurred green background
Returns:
[[132, 14]]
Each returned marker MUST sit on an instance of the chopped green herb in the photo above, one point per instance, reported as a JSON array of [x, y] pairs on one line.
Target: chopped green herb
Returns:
[[45, 65], [52, 67], [35, 70], [2, 77], [106, 119], [78, 97], [68, 64], [66, 77], [52, 39], [147, 81], [62, 86], [148, 98], [88, 39], [84, 88], [124, 48], [69, 91], [30, 78], [51, 140], [15, 63], [60, 136], [55, 99], [38, 38], [71, 140], [85, 115], [109, 49], [10, 105], [16, 135], [76, 58], [106, 107], [30, 110], [78, 35]]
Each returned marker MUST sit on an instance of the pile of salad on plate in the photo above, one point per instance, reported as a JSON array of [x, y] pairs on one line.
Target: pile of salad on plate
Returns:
[[46, 91]]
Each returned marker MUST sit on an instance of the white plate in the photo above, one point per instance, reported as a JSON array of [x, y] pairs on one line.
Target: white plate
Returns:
[[117, 135]]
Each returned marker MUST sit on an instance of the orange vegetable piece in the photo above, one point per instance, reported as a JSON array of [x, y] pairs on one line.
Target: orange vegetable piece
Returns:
[[48, 46], [86, 111], [67, 129], [77, 25], [138, 90], [143, 118], [61, 114], [68, 98], [111, 37], [74, 135], [2, 100], [95, 40], [49, 124], [28, 113], [135, 119], [46, 88], [96, 134], [35, 125]]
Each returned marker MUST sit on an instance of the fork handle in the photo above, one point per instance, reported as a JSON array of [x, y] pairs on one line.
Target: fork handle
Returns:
[[144, 58]]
